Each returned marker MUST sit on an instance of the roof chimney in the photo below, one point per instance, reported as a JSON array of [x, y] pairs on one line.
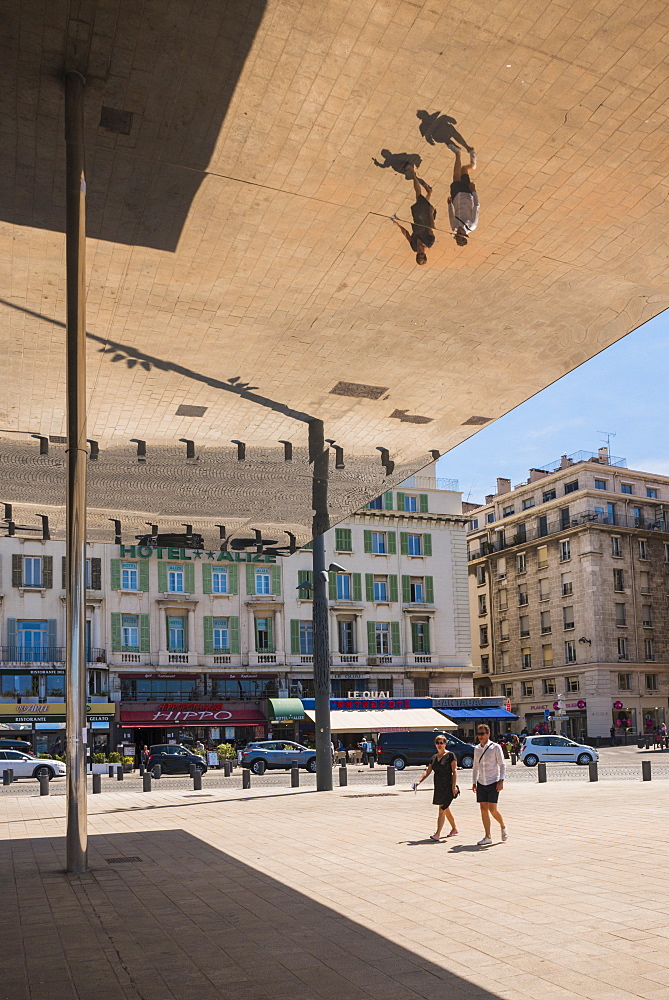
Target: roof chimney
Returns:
[[536, 474], [565, 462], [489, 498], [603, 454], [503, 486]]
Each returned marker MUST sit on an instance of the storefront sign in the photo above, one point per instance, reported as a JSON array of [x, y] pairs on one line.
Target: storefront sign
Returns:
[[366, 695], [53, 712], [467, 702], [618, 704], [570, 705], [147, 551], [189, 714], [342, 704]]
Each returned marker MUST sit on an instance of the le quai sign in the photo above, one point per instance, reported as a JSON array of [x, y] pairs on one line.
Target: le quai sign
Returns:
[[149, 551]]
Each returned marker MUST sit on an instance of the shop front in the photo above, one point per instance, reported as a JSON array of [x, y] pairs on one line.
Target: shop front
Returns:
[[575, 726], [285, 716], [468, 712], [624, 719], [353, 718], [43, 725], [151, 723]]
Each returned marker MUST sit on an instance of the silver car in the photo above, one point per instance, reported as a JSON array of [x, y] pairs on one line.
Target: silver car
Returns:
[[25, 765]]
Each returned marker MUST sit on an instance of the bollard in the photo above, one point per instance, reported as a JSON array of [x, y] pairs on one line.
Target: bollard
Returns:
[[246, 778], [227, 768], [514, 758], [191, 770], [371, 761], [157, 771], [592, 768], [146, 781], [197, 780], [645, 770], [97, 784], [6, 777], [541, 771], [390, 774], [142, 769], [262, 767], [44, 784], [119, 772], [111, 770], [343, 777], [294, 776]]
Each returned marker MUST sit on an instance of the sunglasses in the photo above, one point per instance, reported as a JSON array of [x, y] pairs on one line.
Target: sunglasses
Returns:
[[439, 741]]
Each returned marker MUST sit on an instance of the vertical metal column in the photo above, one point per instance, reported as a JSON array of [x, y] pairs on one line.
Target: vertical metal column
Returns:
[[320, 456], [75, 242]]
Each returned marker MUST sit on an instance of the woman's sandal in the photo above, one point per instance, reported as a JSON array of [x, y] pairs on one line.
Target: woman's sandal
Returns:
[[433, 836], [453, 833]]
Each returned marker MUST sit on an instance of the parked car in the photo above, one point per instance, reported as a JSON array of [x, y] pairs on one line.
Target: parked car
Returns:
[[403, 749], [7, 744], [26, 765], [174, 759], [557, 749], [277, 754]]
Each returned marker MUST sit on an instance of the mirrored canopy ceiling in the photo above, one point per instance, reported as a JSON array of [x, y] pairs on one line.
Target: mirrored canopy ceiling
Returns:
[[244, 277]]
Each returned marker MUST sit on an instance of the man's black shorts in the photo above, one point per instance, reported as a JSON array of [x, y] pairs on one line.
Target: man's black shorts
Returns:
[[487, 793], [463, 185]]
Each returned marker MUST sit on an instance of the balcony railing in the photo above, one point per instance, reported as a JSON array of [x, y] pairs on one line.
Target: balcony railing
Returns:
[[553, 527], [41, 654]]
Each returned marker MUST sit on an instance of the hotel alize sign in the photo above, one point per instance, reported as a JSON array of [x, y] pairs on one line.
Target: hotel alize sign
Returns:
[[146, 551]]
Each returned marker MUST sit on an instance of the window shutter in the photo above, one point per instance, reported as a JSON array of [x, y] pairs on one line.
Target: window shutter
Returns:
[[414, 637], [388, 500], [343, 539], [162, 577], [276, 581], [309, 546], [233, 578], [250, 579], [206, 580], [143, 575], [305, 593], [144, 634], [47, 571], [115, 574], [233, 627], [422, 500], [368, 541], [294, 636], [332, 586], [189, 578], [371, 638], [395, 638], [400, 501], [96, 574], [208, 623], [357, 586], [17, 571], [51, 638], [63, 578], [392, 542], [11, 638], [270, 634], [406, 589], [369, 586], [404, 543], [427, 545], [429, 590], [426, 630], [116, 631], [392, 586]]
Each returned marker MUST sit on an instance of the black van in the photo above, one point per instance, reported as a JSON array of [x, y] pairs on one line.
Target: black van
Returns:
[[402, 749]]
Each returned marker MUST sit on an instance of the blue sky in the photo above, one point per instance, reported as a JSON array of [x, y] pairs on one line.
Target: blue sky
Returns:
[[625, 389]]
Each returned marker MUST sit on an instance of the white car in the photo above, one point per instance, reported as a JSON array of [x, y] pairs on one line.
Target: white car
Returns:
[[24, 765], [556, 749]]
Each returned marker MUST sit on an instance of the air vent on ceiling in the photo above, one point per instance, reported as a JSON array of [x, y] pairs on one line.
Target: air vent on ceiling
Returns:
[[361, 391], [191, 411], [477, 420], [115, 120]]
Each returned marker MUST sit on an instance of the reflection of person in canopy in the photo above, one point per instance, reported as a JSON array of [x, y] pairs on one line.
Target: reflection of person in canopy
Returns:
[[423, 213], [463, 203]]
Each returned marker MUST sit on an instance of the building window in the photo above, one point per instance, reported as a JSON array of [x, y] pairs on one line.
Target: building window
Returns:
[[568, 616], [626, 488], [411, 503], [490, 517], [522, 594], [649, 652], [521, 563], [382, 637], [504, 660], [376, 504], [381, 588], [346, 643], [600, 484], [542, 557], [666, 551], [420, 637], [565, 550], [503, 599], [566, 583], [547, 655], [473, 524], [343, 586], [521, 534], [130, 633], [527, 687], [263, 581], [542, 526], [544, 589], [572, 684], [571, 487], [564, 517], [611, 513], [175, 579], [524, 624], [643, 549], [306, 638], [615, 546], [176, 634], [480, 575], [545, 622], [221, 635], [622, 650], [379, 546], [644, 581], [485, 664], [549, 495], [526, 658], [508, 511], [624, 682], [504, 629], [651, 680], [32, 571], [528, 502], [219, 580], [621, 616], [483, 635], [264, 639], [507, 690], [548, 685], [501, 568], [570, 651], [618, 580], [414, 545], [651, 493], [483, 604], [417, 593], [647, 615], [129, 576]]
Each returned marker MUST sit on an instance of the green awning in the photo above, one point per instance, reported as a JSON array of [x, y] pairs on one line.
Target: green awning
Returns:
[[286, 710]]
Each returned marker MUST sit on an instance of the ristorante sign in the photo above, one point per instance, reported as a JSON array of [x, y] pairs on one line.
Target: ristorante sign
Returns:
[[189, 713], [147, 551]]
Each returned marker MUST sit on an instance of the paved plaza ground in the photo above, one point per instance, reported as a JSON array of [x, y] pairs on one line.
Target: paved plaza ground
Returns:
[[275, 893]]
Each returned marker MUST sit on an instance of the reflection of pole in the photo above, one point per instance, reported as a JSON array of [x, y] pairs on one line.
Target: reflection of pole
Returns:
[[75, 242], [319, 455]]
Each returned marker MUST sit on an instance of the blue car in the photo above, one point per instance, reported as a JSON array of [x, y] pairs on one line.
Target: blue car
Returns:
[[278, 755]]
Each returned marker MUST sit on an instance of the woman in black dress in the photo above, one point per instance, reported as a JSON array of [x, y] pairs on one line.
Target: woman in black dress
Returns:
[[444, 766]]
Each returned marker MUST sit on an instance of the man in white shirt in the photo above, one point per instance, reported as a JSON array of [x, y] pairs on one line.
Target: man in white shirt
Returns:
[[463, 203], [488, 781]]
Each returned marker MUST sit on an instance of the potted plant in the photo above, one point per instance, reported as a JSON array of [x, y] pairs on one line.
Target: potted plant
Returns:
[[128, 763]]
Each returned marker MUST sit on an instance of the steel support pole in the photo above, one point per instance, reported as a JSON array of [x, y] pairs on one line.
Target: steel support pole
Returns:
[[75, 244], [320, 456]]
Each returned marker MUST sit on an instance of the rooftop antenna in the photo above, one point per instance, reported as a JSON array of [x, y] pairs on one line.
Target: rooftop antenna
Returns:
[[608, 435]]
